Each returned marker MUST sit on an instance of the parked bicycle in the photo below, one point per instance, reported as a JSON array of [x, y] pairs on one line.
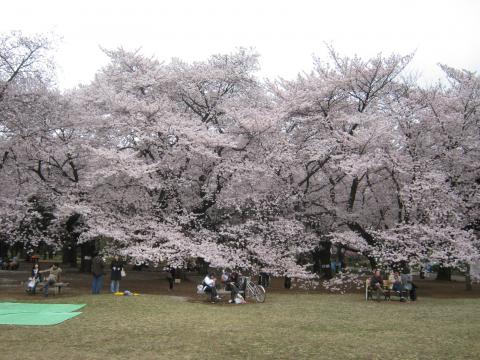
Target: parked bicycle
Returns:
[[254, 291]]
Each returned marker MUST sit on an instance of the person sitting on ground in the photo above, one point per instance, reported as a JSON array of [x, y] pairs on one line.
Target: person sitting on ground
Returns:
[[34, 279], [376, 283], [53, 277], [209, 284]]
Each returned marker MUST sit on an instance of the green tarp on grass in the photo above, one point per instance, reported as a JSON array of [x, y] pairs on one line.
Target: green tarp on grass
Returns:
[[36, 314]]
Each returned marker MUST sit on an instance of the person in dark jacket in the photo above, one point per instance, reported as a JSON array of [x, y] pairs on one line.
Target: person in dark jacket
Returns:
[[98, 266], [34, 279], [171, 277], [376, 283], [234, 284], [116, 268]]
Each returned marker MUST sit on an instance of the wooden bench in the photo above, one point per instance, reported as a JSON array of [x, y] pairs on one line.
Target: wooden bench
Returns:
[[57, 287], [224, 294]]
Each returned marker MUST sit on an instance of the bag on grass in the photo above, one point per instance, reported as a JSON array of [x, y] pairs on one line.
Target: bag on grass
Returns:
[[200, 290], [239, 299]]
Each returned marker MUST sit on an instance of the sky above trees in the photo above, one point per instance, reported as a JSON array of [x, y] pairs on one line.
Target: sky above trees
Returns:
[[285, 33]]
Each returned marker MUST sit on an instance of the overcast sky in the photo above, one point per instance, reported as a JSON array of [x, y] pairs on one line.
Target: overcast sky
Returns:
[[285, 33]]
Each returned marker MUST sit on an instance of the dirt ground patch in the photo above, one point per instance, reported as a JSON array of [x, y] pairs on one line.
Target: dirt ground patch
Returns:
[[12, 285]]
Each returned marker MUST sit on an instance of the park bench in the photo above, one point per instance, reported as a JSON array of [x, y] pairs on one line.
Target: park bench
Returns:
[[248, 290], [57, 287], [223, 293], [388, 291]]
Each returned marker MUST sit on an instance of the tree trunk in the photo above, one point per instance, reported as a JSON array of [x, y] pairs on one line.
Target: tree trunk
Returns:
[[87, 251], [468, 279], [368, 238], [3, 249], [341, 258], [70, 245], [444, 273], [70, 254], [322, 260]]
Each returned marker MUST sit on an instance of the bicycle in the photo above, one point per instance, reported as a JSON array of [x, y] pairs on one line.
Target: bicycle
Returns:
[[254, 291]]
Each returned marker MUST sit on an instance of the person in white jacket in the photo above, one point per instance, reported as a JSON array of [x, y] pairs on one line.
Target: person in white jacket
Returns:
[[209, 286]]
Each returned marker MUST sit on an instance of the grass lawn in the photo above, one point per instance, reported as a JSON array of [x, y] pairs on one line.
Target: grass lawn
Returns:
[[287, 326]]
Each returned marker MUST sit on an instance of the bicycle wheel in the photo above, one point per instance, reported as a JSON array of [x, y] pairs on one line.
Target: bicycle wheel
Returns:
[[259, 293]]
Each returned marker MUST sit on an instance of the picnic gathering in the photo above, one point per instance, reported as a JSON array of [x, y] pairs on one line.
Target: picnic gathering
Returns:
[[230, 282]]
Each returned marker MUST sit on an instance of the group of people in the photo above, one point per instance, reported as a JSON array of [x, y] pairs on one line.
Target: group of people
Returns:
[[98, 271], [9, 264], [400, 283], [233, 283], [36, 276]]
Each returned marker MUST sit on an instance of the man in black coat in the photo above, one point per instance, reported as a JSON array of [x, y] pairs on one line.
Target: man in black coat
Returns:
[[98, 266]]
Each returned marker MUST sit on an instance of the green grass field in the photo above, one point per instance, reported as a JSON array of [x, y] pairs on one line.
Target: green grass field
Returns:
[[285, 327]]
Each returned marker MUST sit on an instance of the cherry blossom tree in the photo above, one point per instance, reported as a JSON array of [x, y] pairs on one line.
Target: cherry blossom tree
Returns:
[[171, 148], [25, 70], [369, 142], [168, 162], [40, 142]]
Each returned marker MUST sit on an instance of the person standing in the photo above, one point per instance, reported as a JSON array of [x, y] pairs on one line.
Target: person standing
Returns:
[[171, 277], [98, 266], [116, 268]]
